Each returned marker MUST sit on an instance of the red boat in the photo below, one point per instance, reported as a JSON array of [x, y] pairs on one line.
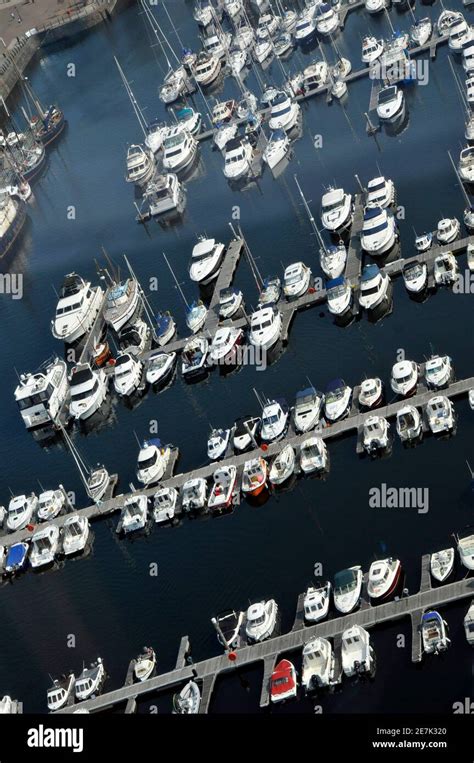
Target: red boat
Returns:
[[283, 682]]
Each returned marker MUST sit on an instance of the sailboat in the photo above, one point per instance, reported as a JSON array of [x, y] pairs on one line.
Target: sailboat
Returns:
[[48, 123], [96, 481], [196, 312]]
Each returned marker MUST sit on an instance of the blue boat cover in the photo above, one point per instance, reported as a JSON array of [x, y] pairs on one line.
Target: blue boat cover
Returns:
[[371, 212], [335, 384], [152, 441], [305, 393], [369, 272], [431, 616], [118, 291], [184, 113], [16, 555], [324, 8], [339, 281], [163, 321]]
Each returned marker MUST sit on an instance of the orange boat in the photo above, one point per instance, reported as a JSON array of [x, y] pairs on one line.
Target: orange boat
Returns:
[[254, 478]]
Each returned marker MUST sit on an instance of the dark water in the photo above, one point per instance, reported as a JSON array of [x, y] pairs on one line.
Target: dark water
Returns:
[[108, 601]]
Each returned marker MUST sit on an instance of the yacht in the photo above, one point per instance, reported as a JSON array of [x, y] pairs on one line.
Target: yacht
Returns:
[[283, 682], [50, 504], [230, 302], [442, 564], [60, 692], [415, 276], [196, 315], [371, 49], [357, 654], [447, 20], [270, 293], [337, 400], [374, 287], [225, 133], [217, 443], [206, 69], [433, 633], [12, 219], [445, 269], [315, 76], [76, 530], [333, 260], [228, 625], [409, 423], [327, 19], [188, 700], [40, 396], [244, 37], [153, 459], [88, 391], [283, 465], [206, 260], [179, 149], [140, 165], [371, 392], [159, 367], [238, 59], [222, 492], [224, 349], [339, 296], [164, 504], [459, 35], [313, 455], [194, 357], [223, 111], [77, 309], [379, 231], [440, 414], [404, 378], [20, 511], [380, 193], [466, 164], [134, 513], [375, 434], [16, 558], [316, 603], [438, 371], [307, 410], [194, 494], [283, 44], [128, 373], [423, 242], [347, 589], [175, 84], [384, 577], [90, 681], [390, 104], [336, 210], [164, 195], [468, 58], [275, 419], [189, 120], [217, 43], [44, 545], [123, 300], [469, 625], [145, 664], [448, 230], [421, 31], [296, 280], [261, 620], [246, 430], [97, 483], [319, 665], [254, 477], [265, 327], [284, 113], [237, 158], [465, 545], [263, 49]]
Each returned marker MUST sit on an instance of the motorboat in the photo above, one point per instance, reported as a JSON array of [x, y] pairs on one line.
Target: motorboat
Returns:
[[60, 692], [223, 111], [404, 377], [459, 35], [375, 435], [380, 192], [265, 327], [438, 371], [466, 164], [228, 625], [471, 399], [123, 300], [145, 664], [40, 396], [448, 230], [156, 132], [319, 665], [384, 577], [50, 504], [371, 392], [164, 504], [465, 546], [261, 620], [390, 104], [244, 37], [434, 633], [339, 296], [179, 149], [76, 530], [164, 194], [316, 602], [305, 28], [194, 357], [237, 60], [336, 210], [415, 276], [469, 625], [97, 483], [194, 494], [357, 654], [267, 25], [16, 557], [159, 367], [175, 84], [296, 280], [313, 455], [342, 68], [196, 315], [379, 231], [339, 87], [44, 545], [447, 20], [90, 681], [230, 302], [140, 165], [283, 44], [374, 287], [423, 242], [206, 12], [165, 328], [222, 492], [188, 700], [189, 120], [283, 466], [372, 49], [20, 511], [224, 349], [247, 105], [206, 260], [275, 419], [88, 391], [283, 682], [315, 76], [134, 513], [337, 400], [327, 19], [421, 31], [442, 564], [77, 309], [128, 373], [445, 269], [284, 112], [307, 410], [468, 60], [375, 6], [135, 338], [347, 589], [270, 292], [245, 433], [470, 89], [440, 414], [263, 49], [217, 443], [225, 133], [469, 125], [237, 158], [409, 423], [153, 459], [254, 477], [277, 148], [217, 44], [333, 260]]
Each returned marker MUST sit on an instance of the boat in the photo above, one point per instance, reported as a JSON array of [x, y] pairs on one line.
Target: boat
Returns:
[[423, 242], [459, 34], [284, 112], [336, 210], [175, 84], [379, 231], [307, 410], [88, 391], [347, 589], [159, 366], [283, 44], [283, 682], [245, 433], [296, 280], [76, 531], [77, 309], [277, 148], [371, 392], [223, 488], [380, 193], [145, 664], [466, 164], [237, 158], [47, 124], [469, 625], [244, 37], [465, 546], [374, 287], [97, 483], [165, 328], [415, 276], [337, 400], [223, 111], [445, 269], [316, 602], [339, 87], [442, 564], [20, 511], [40, 396], [438, 371], [409, 423], [440, 414], [468, 61], [153, 460], [230, 302], [372, 49], [164, 504], [188, 700], [471, 399], [206, 69], [50, 504], [194, 357], [237, 60], [207, 11], [60, 692], [469, 125], [384, 577], [179, 149], [217, 43], [135, 337], [164, 194], [357, 654], [375, 6], [265, 327], [404, 378], [267, 25], [90, 681], [196, 315], [189, 120], [327, 19], [225, 133], [342, 68], [433, 633], [16, 558], [313, 455], [315, 76], [447, 20], [339, 296], [217, 443], [134, 514], [233, 8], [140, 165], [470, 89], [447, 230], [156, 133], [375, 434], [390, 104], [128, 373], [254, 477], [224, 349], [206, 261], [44, 545], [305, 28], [228, 625], [194, 494], [333, 260], [283, 466], [319, 665], [261, 620], [262, 49], [270, 292], [275, 419], [123, 300]]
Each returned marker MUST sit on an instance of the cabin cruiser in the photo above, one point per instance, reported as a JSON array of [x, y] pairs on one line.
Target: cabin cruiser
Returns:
[[44, 545], [237, 158], [283, 682], [223, 112], [224, 133], [60, 692], [284, 113], [179, 149], [230, 302], [245, 433], [238, 59], [134, 513], [448, 230], [275, 418], [404, 377], [379, 231], [140, 165], [305, 28], [222, 492], [466, 164], [128, 373], [447, 20], [76, 531], [244, 37], [357, 654], [224, 349], [90, 681], [469, 625], [347, 589], [88, 391], [371, 49], [263, 49], [206, 260], [283, 44], [307, 410], [380, 193], [77, 309], [421, 31], [415, 276], [468, 60], [371, 392], [440, 414], [433, 633], [409, 423], [337, 400], [316, 603], [20, 511], [16, 558], [319, 665], [283, 466], [159, 367], [261, 620], [153, 459], [438, 371], [40, 396], [469, 126], [194, 494], [194, 357], [164, 194], [157, 132], [390, 104], [313, 455], [375, 434], [339, 296], [217, 44], [188, 700], [189, 120], [374, 287], [459, 35], [423, 242], [164, 504], [465, 546], [267, 25], [217, 443], [50, 504], [336, 210], [296, 280], [384, 577], [265, 327], [254, 476], [445, 269], [315, 76], [327, 19], [270, 293], [145, 664], [441, 564], [97, 483], [135, 337], [470, 89], [122, 303], [196, 315], [175, 84]]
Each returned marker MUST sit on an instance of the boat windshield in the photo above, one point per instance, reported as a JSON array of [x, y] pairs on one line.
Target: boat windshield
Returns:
[[234, 157], [376, 229], [311, 451], [145, 463], [173, 140], [293, 277], [415, 271], [281, 111], [261, 326], [330, 207], [387, 94], [335, 395], [337, 291], [403, 379], [345, 581], [370, 290], [69, 308], [75, 396]]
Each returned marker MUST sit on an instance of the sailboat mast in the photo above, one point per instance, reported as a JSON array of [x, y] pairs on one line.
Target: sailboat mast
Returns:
[[461, 184], [178, 285], [133, 100], [310, 215]]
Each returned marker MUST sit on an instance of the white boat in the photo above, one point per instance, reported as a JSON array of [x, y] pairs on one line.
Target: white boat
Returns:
[[315, 76], [270, 292], [189, 120], [90, 681], [265, 327], [225, 133], [223, 111], [438, 371], [153, 459], [217, 43], [379, 231], [342, 68], [337, 400], [433, 633], [261, 620], [468, 60], [283, 466], [296, 280], [140, 165], [206, 12], [327, 19], [244, 37], [375, 434], [41, 395], [421, 31], [44, 545], [206, 260], [284, 112], [145, 664], [375, 6], [339, 296], [347, 589], [336, 210], [415, 276], [448, 230], [371, 392], [237, 60], [459, 35], [384, 577], [245, 432], [305, 27], [134, 513], [194, 357], [466, 164], [307, 410], [445, 269], [339, 87], [470, 89], [224, 483], [275, 418], [88, 391], [469, 625], [174, 85], [469, 125], [409, 423], [440, 414], [404, 377], [263, 49], [60, 692], [441, 564], [283, 44], [20, 511], [230, 302], [127, 374], [157, 132], [179, 149], [135, 337], [318, 667], [165, 328], [196, 315], [164, 194], [380, 192], [164, 504], [233, 8], [224, 349], [316, 603], [254, 476], [471, 399], [333, 260], [50, 504], [390, 104], [374, 287], [313, 455], [194, 494], [159, 366], [277, 148], [447, 20], [76, 531], [217, 443], [97, 483], [188, 700], [371, 49], [228, 625], [465, 545], [77, 309], [423, 242], [237, 158], [357, 654], [267, 25], [123, 300]]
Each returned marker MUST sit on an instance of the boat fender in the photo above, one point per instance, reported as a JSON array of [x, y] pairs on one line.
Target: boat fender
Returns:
[[232, 656], [30, 528], [111, 362], [311, 290], [264, 446]]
